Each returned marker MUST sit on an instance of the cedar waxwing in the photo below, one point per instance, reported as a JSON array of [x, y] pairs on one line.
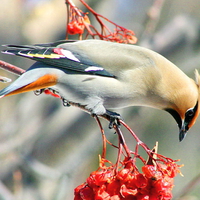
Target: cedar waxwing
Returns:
[[103, 75]]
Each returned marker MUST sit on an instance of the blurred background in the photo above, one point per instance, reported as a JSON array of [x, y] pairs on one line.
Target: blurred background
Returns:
[[46, 149]]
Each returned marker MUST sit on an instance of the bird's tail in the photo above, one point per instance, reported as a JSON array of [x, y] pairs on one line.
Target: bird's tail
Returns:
[[29, 81]]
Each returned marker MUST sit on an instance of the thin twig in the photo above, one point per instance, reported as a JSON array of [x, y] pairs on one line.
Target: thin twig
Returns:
[[139, 142], [103, 136], [122, 140], [118, 156], [68, 10], [11, 68]]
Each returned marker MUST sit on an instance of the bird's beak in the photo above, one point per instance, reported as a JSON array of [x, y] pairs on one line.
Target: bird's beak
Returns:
[[183, 128], [183, 131]]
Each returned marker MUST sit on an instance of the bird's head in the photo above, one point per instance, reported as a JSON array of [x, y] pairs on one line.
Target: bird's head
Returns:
[[185, 121], [186, 110]]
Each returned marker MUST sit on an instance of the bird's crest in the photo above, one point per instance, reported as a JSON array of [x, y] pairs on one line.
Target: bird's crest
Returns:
[[197, 77]]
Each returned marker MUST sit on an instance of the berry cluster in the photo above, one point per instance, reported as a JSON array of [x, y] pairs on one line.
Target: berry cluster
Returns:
[[155, 182], [79, 23]]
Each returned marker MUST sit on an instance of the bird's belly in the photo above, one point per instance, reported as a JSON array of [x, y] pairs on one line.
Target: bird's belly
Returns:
[[84, 89]]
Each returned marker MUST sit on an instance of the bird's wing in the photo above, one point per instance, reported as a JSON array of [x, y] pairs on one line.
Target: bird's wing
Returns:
[[58, 57]]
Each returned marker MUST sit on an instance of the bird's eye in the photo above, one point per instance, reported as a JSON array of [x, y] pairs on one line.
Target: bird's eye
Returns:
[[189, 113]]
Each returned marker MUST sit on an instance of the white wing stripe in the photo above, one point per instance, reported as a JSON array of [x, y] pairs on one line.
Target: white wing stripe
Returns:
[[93, 68], [69, 55]]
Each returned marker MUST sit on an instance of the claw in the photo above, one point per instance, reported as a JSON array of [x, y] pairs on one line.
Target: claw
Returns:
[[111, 123], [65, 102], [113, 117], [38, 92]]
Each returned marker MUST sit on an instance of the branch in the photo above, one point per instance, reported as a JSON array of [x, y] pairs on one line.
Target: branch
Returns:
[[11, 68]]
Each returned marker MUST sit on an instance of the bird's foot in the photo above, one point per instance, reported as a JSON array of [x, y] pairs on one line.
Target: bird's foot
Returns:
[[48, 91], [65, 102], [53, 93], [113, 118], [38, 92]]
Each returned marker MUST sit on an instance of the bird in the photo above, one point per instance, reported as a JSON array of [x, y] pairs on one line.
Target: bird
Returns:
[[102, 76]]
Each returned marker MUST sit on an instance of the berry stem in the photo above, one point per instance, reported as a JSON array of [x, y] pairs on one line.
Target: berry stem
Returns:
[[103, 136]]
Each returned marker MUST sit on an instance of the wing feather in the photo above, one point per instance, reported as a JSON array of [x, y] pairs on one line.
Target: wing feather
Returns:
[[58, 57]]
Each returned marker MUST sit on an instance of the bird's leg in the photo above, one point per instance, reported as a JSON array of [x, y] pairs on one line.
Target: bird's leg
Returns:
[[112, 117]]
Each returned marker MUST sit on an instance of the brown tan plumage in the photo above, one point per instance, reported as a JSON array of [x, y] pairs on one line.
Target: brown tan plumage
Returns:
[[102, 75]]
